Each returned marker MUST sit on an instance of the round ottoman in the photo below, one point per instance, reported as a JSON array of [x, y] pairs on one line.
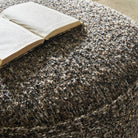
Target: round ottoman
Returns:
[[82, 83]]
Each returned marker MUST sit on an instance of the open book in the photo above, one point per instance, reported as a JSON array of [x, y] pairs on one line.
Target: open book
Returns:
[[27, 25]]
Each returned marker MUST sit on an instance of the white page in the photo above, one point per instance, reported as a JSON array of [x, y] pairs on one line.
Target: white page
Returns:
[[39, 19], [13, 38]]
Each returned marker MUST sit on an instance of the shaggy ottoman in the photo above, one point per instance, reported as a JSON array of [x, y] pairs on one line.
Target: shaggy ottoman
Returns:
[[82, 83]]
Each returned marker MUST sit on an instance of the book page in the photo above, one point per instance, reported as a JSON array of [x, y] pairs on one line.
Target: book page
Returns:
[[15, 40], [39, 19]]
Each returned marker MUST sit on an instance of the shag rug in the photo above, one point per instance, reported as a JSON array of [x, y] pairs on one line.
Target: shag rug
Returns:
[[82, 83]]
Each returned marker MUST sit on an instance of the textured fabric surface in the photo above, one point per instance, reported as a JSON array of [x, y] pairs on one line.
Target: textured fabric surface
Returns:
[[82, 83]]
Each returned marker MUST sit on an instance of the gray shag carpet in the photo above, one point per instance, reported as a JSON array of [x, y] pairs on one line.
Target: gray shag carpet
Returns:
[[82, 83]]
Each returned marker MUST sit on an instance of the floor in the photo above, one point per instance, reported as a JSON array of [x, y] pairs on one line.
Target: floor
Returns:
[[127, 7]]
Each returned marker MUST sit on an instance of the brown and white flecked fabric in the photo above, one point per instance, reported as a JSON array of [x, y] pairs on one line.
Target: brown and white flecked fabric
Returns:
[[82, 83]]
